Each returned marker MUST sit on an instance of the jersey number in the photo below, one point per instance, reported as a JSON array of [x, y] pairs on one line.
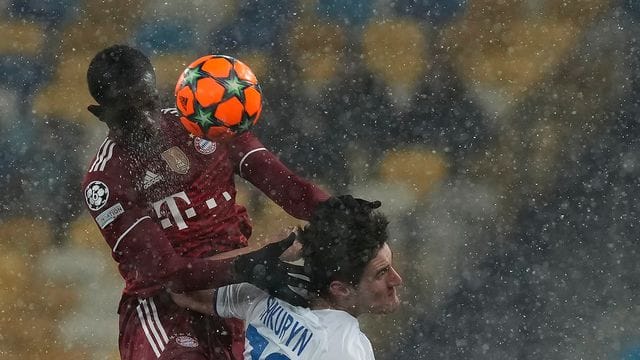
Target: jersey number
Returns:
[[259, 343]]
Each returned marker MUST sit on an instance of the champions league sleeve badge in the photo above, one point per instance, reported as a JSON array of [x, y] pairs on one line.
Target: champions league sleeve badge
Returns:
[[96, 194]]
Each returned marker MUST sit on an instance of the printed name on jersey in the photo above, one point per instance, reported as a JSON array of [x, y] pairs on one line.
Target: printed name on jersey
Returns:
[[285, 326], [96, 195], [105, 152], [176, 159], [203, 146], [108, 216], [150, 179]]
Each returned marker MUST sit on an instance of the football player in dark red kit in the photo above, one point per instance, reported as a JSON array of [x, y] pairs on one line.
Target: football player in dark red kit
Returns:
[[165, 202]]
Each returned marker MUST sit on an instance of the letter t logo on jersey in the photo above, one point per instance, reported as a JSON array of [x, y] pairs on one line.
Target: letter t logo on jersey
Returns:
[[174, 211]]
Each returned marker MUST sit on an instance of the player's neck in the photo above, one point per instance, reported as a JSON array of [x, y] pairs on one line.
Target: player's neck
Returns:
[[323, 304]]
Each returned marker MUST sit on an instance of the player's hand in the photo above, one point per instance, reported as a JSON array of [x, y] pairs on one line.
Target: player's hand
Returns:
[[264, 269]]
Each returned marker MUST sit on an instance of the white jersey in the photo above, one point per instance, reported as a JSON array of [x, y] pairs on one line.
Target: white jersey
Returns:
[[277, 330]]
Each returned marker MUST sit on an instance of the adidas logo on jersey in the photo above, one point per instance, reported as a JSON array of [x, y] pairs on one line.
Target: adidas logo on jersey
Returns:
[[150, 179]]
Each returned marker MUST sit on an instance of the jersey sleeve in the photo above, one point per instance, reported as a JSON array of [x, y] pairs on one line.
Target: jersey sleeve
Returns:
[[263, 169], [142, 250], [237, 300]]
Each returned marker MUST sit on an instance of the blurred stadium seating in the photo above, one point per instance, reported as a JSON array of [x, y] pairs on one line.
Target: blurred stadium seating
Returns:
[[500, 136]]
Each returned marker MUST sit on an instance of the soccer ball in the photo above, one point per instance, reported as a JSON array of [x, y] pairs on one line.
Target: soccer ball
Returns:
[[217, 97]]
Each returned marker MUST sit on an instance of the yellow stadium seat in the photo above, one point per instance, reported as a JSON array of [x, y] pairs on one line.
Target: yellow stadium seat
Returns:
[[317, 49], [396, 51], [21, 38], [168, 68], [518, 55], [16, 271], [258, 61], [30, 307], [416, 168], [580, 12], [119, 13], [67, 96], [91, 37], [25, 235], [84, 232]]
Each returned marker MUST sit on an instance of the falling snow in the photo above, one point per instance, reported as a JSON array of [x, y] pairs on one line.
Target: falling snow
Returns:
[[500, 136]]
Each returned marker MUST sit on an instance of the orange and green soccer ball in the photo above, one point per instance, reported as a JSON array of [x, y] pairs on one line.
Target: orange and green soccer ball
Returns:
[[217, 97]]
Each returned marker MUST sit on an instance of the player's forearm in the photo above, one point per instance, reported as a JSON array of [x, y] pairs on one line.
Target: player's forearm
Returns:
[[190, 274], [147, 252]]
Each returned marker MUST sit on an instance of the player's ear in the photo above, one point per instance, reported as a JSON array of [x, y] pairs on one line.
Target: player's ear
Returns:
[[96, 110], [340, 290]]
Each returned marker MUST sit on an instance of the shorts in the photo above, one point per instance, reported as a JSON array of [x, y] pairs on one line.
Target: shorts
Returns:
[[156, 328]]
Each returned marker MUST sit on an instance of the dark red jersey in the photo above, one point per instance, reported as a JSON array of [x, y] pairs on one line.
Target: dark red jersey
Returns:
[[163, 208]]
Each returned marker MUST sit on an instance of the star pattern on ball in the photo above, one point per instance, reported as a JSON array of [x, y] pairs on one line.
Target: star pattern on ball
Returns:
[[203, 118], [192, 75], [234, 86], [245, 124]]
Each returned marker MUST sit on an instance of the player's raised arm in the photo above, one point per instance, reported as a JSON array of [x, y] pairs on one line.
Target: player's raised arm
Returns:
[[262, 168]]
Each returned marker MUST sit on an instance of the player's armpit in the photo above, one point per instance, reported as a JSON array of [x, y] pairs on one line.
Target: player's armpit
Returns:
[[201, 301]]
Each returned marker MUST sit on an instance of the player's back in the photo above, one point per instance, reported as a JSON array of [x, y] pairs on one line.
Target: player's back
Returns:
[[278, 330], [344, 337]]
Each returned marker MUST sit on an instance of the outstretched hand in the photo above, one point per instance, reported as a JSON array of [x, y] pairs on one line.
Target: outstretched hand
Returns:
[[264, 269]]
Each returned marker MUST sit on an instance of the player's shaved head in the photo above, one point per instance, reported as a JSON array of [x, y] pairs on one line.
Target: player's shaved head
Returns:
[[122, 80], [121, 74]]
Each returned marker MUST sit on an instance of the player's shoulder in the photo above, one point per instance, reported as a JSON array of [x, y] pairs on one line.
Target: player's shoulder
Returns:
[[107, 157], [107, 171], [109, 178], [350, 345], [241, 292], [345, 335]]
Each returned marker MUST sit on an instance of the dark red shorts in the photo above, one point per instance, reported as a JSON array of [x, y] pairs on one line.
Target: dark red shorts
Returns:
[[156, 328]]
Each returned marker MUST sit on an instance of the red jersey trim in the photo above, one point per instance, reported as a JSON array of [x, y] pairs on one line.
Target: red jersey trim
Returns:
[[98, 154], [246, 156], [153, 329], [105, 154], [127, 231]]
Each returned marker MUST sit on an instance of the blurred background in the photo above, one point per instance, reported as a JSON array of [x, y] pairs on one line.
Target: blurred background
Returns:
[[501, 137]]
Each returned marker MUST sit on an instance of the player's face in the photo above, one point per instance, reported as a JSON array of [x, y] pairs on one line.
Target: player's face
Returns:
[[376, 291], [142, 98]]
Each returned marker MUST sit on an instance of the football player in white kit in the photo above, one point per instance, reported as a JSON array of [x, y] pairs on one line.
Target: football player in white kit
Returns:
[[349, 263]]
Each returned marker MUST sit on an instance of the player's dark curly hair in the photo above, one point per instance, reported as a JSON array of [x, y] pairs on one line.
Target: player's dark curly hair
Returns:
[[120, 74], [339, 241]]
